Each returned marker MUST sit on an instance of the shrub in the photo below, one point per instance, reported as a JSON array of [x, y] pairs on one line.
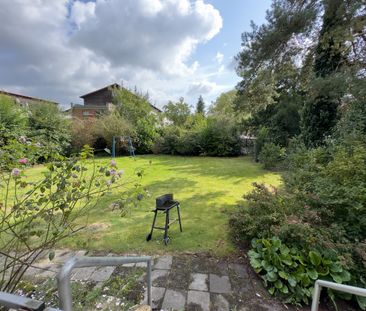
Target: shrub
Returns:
[[49, 126], [271, 155], [189, 143], [13, 120], [220, 138], [289, 272], [256, 217]]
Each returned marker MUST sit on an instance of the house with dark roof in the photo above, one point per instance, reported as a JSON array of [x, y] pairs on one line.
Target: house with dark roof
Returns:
[[97, 103], [24, 100]]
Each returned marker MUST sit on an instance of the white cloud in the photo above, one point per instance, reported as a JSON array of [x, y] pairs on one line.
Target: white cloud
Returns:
[[200, 88], [219, 57], [61, 49]]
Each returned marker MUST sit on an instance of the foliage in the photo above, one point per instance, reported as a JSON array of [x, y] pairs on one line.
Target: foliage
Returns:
[[224, 104], [200, 106], [290, 272], [83, 132], [264, 208], [13, 120], [261, 139], [200, 136], [177, 113], [331, 180], [37, 214], [139, 117], [271, 155], [114, 125], [220, 138], [48, 126]]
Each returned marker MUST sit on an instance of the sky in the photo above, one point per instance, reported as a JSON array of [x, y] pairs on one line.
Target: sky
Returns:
[[59, 50]]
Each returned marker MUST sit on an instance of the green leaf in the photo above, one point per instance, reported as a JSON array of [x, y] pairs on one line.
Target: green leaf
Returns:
[[271, 290], [254, 254], [271, 276], [284, 289], [283, 275], [335, 267], [312, 274], [361, 302], [315, 258], [51, 255], [256, 264], [292, 281], [278, 284]]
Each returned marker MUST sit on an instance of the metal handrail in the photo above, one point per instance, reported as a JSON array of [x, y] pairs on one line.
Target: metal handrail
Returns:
[[64, 276], [336, 286]]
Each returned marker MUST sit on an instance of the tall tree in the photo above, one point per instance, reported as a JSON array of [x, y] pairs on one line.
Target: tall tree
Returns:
[[200, 106], [178, 112], [320, 113], [310, 48]]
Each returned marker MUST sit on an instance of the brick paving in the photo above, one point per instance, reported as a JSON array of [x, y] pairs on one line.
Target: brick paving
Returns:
[[185, 282]]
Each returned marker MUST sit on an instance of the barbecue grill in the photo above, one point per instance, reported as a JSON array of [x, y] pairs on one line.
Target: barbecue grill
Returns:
[[164, 204]]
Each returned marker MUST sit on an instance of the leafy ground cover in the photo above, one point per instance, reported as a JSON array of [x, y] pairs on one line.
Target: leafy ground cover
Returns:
[[206, 187]]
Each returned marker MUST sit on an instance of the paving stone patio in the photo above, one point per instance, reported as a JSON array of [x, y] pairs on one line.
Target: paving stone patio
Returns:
[[182, 282]]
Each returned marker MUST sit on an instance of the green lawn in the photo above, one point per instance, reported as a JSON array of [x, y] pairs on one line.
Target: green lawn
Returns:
[[206, 187]]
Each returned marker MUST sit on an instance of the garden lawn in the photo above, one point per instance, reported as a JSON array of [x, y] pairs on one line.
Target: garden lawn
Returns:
[[207, 188]]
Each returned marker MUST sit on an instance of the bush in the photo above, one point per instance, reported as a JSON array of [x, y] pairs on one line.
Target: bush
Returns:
[[13, 120], [256, 217], [289, 272], [49, 126], [189, 143], [220, 138], [271, 155]]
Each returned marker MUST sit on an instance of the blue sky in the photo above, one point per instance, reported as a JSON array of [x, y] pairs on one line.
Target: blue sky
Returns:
[[59, 50]]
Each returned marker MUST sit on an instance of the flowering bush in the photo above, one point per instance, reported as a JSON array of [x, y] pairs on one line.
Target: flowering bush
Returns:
[[35, 215]]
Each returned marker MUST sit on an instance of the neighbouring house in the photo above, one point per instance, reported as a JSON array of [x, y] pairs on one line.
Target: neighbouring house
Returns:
[[97, 103], [25, 101]]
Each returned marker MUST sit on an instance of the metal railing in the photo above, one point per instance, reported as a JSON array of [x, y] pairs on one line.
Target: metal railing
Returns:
[[64, 276], [338, 287], [64, 283]]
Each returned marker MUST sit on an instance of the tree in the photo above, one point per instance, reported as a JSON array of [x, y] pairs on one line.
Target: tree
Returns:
[[320, 113], [200, 106], [306, 48], [114, 125], [13, 120], [224, 104], [49, 126], [178, 112], [142, 122]]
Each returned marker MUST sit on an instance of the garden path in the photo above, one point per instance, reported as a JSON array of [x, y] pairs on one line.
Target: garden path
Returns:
[[181, 282]]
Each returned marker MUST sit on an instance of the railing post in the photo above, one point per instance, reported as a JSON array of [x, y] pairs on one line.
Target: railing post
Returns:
[[149, 302], [64, 286], [316, 296]]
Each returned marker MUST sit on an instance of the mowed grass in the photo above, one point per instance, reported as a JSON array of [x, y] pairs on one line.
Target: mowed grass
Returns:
[[207, 188]]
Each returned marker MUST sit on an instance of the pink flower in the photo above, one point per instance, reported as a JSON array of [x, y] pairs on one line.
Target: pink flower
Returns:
[[15, 172], [113, 163], [112, 172], [23, 161]]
